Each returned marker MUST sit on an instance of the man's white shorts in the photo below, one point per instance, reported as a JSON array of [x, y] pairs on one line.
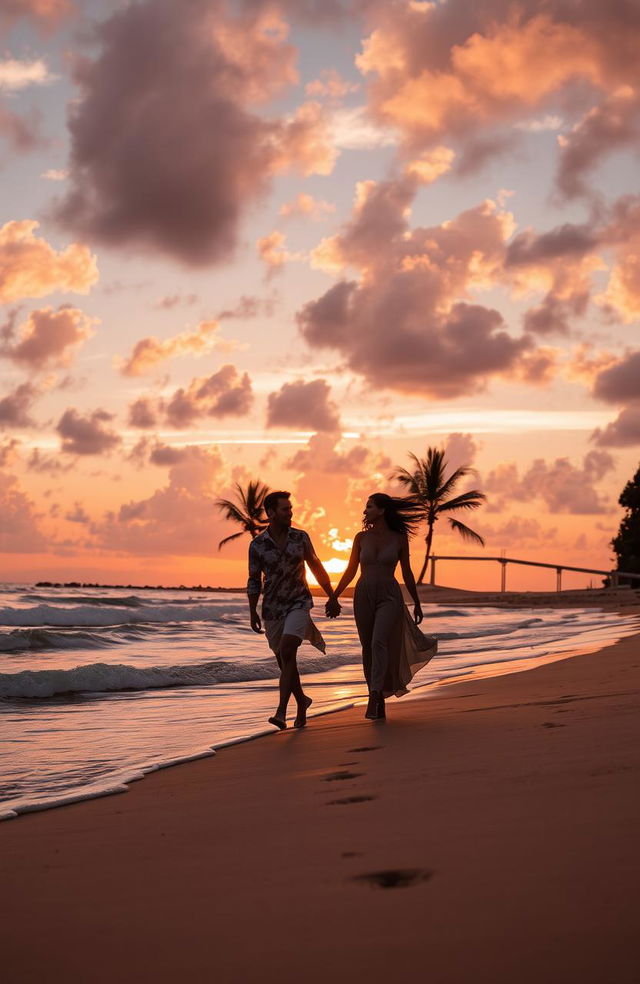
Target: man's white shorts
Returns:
[[295, 623]]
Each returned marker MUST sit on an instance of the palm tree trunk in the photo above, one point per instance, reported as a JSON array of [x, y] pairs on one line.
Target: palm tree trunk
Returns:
[[428, 539]]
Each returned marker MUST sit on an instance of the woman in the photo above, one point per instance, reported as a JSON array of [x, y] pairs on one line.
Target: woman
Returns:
[[393, 648]]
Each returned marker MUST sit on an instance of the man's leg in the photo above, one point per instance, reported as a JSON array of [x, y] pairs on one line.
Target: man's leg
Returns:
[[289, 677]]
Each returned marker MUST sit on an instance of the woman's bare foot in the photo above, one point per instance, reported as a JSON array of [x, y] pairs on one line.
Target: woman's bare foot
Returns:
[[301, 716], [278, 721]]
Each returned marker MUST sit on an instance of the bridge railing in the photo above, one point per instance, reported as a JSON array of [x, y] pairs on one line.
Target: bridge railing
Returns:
[[613, 576]]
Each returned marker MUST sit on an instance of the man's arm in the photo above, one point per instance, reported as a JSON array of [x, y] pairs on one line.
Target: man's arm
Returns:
[[318, 571], [254, 587]]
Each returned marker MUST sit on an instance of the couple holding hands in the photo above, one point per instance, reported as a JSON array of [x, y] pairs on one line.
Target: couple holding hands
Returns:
[[393, 648]]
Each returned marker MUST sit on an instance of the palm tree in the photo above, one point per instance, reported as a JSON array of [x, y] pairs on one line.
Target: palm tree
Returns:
[[427, 484], [247, 510]]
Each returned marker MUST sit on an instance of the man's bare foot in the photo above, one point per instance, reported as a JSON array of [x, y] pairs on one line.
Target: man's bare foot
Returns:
[[278, 721], [301, 716]]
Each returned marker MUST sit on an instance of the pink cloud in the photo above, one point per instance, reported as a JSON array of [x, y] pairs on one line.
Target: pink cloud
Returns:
[[561, 485], [187, 152], [50, 338], [30, 267], [15, 407], [406, 324], [467, 72], [19, 520], [224, 393], [179, 519], [143, 413], [623, 432], [303, 406], [47, 13], [611, 125], [88, 433], [149, 352], [307, 206]]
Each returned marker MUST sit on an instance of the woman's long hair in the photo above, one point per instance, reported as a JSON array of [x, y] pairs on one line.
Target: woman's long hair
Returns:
[[402, 515]]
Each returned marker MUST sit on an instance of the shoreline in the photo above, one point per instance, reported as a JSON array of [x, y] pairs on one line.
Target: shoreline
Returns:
[[123, 781], [489, 829]]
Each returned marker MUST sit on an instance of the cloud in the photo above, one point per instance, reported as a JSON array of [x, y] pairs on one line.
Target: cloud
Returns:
[[307, 206], [623, 432], [8, 452], [249, 307], [88, 433], [50, 338], [20, 531], [21, 132], [304, 406], [620, 383], [47, 464], [561, 262], [179, 519], [463, 72], [622, 232], [330, 85], [460, 450], [517, 531], [143, 413], [431, 165], [406, 324], [46, 13], [149, 352], [30, 267], [611, 125], [174, 300], [187, 153], [16, 75], [224, 393], [78, 515], [15, 407], [562, 486], [272, 251], [55, 174]]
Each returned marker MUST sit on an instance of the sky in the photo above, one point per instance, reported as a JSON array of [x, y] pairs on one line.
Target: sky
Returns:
[[297, 241]]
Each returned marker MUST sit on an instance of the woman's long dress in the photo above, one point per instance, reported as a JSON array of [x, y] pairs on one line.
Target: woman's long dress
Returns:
[[393, 647]]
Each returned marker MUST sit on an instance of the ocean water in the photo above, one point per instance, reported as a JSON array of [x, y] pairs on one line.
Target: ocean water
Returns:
[[99, 687]]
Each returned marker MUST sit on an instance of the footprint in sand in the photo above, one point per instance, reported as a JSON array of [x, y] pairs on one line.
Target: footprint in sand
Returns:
[[351, 799], [394, 878], [339, 776]]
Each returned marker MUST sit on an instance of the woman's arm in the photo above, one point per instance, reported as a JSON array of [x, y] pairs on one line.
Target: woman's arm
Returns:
[[409, 580], [352, 566]]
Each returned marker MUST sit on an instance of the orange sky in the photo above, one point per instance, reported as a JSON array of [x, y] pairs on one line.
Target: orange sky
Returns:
[[316, 239]]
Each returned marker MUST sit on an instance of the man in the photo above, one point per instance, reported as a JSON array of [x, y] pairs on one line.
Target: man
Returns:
[[280, 554]]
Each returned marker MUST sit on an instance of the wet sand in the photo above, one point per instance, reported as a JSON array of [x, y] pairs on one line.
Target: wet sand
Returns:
[[488, 832]]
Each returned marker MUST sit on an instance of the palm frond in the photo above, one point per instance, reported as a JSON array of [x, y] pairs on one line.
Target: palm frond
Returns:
[[231, 510], [468, 500], [450, 484], [465, 532]]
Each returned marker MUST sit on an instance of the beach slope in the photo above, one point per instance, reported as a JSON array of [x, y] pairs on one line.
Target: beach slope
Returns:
[[488, 832]]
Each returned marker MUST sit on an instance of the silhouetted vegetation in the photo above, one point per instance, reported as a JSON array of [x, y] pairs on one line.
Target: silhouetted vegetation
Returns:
[[247, 510], [427, 483], [626, 545]]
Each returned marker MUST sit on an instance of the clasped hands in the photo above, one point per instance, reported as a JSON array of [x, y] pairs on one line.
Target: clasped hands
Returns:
[[332, 608]]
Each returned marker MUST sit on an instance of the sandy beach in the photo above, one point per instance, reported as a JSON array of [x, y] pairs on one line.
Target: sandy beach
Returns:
[[486, 833]]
